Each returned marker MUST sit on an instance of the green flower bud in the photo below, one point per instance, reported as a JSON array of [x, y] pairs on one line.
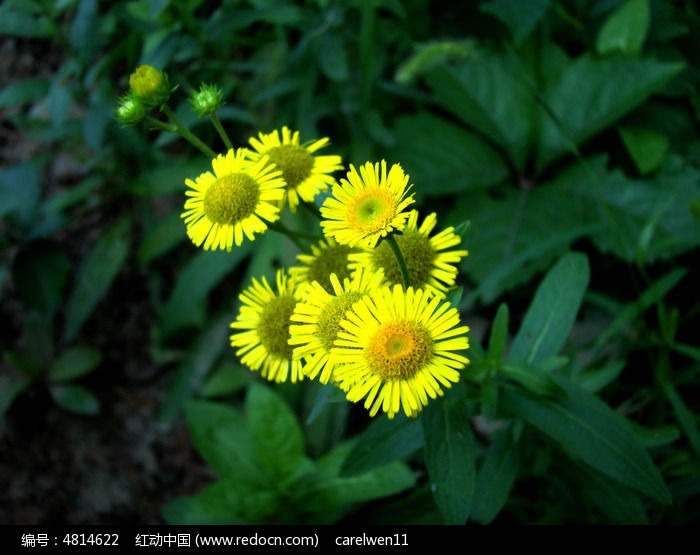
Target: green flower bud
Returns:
[[150, 85], [207, 100], [130, 109]]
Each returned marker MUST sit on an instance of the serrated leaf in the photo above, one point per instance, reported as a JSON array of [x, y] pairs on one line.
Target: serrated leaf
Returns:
[[490, 94], [591, 431], [450, 453], [220, 434], [552, 312], [514, 238], [520, 17], [382, 442], [444, 158], [495, 477], [196, 280], [75, 398], [625, 29], [228, 501], [73, 363], [275, 433], [96, 275], [591, 94]]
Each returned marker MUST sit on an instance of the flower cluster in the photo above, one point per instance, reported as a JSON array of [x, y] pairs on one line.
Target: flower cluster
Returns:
[[366, 306]]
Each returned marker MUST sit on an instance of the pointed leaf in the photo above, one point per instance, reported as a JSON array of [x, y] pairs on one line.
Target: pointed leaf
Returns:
[[450, 453], [647, 147], [73, 363], [591, 431], [553, 310], [75, 398], [625, 29], [96, 275], [10, 389], [520, 17]]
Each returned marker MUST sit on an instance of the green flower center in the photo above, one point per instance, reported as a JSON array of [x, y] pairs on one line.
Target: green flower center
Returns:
[[328, 324], [369, 209], [332, 260], [273, 327], [399, 350], [293, 161], [231, 198], [417, 252]]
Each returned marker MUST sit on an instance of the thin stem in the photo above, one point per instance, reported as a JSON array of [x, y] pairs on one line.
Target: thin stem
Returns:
[[311, 208], [187, 134], [160, 125], [399, 258], [278, 227], [222, 132]]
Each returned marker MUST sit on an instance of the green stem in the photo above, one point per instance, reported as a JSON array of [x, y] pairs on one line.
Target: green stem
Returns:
[[186, 133], [399, 258], [311, 208], [160, 125], [279, 228], [222, 132]]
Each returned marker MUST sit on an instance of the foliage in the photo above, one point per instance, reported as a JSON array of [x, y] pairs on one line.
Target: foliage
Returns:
[[565, 133]]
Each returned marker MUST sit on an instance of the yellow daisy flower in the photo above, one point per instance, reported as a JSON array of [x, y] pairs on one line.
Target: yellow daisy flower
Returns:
[[327, 257], [367, 205], [429, 262], [316, 320], [397, 349], [232, 202], [305, 175], [264, 319]]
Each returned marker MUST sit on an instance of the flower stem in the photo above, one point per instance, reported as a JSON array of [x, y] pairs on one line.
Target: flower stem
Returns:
[[399, 258], [311, 208], [293, 235], [186, 133], [220, 129]]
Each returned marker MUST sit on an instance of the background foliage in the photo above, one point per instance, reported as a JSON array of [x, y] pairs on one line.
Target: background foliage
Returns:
[[565, 132]]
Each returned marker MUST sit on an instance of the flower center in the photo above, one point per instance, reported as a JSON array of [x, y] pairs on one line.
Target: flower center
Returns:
[[332, 260], [293, 161], [329, 320], [371, 210], [231, 198], [273, 328], [417, 252], [398, 350]]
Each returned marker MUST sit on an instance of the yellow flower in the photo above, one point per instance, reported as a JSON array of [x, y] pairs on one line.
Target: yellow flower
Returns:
[[430, 265], [316, 320], [305, 175], [397, 349], [367, 205], [232, 202], [264, 318], [327, 257]]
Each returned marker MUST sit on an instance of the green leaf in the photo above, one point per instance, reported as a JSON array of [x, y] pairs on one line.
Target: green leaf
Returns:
[[220, 434], [445, 158], [75, 398], [24, 362], [621, 504], [686, 417], [276, 435], [196, 280], [39, 273], [520, 17], [195, 366], [517, 236], [552, 312], [533, 378], [73, 363], [228, 501], [17, 20], [591, 431], [10, 389], [162, 238], [491, 95], [96, 275], [330, 494], [19, 191], [450, 453], [625, 29], [495, 478], [647, 147], [595, 379], [382, 442], [332, 57], [227, 379], [591, 94], [499, 333], [24, 92], [652, 219]]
